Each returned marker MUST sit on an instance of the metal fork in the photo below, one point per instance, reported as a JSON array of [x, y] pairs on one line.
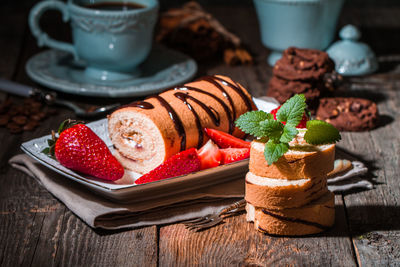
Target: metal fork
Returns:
[[211, 220]]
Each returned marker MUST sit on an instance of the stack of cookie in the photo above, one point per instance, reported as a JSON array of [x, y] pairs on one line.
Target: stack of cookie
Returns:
[[300, 71], [290, 197]]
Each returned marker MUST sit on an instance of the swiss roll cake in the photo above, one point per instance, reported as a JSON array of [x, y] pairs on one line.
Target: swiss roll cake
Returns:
[[146, 133]]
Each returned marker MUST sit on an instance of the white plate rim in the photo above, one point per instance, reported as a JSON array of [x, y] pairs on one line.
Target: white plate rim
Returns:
[[97, 186]]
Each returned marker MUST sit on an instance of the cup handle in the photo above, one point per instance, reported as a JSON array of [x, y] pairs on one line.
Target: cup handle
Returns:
[[42, 38]]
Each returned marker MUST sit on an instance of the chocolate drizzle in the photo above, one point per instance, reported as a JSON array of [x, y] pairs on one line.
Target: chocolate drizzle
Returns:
[[139, 104], [212, 113], [174, 117], [238, 89], [295, 220], [231, 116], [184, 97], [183, 93]]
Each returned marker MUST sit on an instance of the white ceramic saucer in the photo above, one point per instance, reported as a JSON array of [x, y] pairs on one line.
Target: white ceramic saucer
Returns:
[[163, 68]]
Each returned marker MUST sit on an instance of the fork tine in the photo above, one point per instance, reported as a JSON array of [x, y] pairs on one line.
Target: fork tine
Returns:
[[194, 220], [199, 222], [205, 226]]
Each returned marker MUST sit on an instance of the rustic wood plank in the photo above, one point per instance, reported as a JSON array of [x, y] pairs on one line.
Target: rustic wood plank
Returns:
[[236, 243], [38, 228], [373, 215], [100, 248]]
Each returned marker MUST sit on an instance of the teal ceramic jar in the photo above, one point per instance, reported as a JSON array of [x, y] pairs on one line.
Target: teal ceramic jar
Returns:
[[300, 23]]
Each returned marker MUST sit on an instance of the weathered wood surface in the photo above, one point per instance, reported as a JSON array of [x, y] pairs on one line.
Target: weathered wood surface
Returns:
[[36, 229]]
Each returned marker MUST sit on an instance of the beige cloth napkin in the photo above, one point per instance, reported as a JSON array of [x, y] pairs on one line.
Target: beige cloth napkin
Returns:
[[99, 212]]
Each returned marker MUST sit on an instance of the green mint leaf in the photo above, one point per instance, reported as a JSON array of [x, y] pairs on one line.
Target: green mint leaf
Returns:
[[292, 110], [320, 133], [271, 128], [250, 122], [289, 132], [273, 151]]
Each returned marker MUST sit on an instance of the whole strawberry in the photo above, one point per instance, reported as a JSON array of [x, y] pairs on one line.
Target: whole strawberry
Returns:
[[80, 149]]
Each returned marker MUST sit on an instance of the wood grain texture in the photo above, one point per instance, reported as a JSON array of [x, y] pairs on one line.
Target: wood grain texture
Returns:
[[373, 215], [237, 243], [36, 229]]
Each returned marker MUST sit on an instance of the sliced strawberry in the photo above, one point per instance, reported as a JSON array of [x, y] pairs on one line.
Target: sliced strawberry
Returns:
[[225, 140], [302, 123], [234, 154], [209, 155], [180, 164]]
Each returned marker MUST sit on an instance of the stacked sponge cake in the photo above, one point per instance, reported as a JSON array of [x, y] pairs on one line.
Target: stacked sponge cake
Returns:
[[290, 197]]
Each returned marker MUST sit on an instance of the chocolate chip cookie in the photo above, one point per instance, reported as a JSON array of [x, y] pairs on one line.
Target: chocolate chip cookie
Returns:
[[282, 90], [299, 64], [348, 114]]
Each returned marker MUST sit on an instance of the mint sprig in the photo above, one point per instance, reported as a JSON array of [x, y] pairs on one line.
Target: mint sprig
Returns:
[[289, 132], [272, 128], [250, 122], [273, 151], [321, 133], [261, 124], [292, 110]]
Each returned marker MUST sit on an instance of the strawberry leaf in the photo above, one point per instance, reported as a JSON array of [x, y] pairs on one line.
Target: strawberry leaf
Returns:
[[45, 150], [62, 126]]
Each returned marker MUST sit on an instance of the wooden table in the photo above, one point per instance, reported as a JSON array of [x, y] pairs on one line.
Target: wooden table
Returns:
[[36, 229]]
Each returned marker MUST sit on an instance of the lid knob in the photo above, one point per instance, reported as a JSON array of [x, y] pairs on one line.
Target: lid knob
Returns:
[[350, 32], [351, 56]]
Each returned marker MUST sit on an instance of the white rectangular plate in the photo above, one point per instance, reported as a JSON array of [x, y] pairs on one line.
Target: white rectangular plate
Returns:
[[124, 190]]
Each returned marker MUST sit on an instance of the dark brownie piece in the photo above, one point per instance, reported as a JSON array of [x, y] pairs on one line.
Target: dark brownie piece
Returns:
[[348, 114], [282, 90], [299, 64]]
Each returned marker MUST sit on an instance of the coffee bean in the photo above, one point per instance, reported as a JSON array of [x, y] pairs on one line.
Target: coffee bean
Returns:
[[41, 115], [20, 109], [20, 120], [14, 128], [12, 111], [30, 126], [36, 105], [27, 111], [52, 111], [4, 120], [5, 106], [35, 117]]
